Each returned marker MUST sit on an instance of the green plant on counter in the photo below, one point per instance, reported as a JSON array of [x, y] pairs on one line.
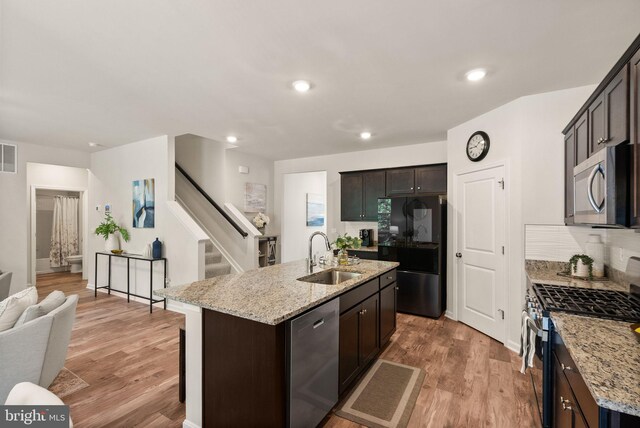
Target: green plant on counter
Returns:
[[346, 242], [586, 260], [109, 227]]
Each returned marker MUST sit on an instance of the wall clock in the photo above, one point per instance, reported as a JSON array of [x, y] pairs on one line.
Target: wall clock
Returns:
[[478, 146]]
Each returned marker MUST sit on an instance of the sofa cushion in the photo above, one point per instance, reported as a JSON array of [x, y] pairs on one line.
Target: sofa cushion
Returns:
[[49, 303], [13, 306]]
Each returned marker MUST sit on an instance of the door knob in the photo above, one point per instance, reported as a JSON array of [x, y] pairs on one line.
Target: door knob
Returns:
[[459, 255]]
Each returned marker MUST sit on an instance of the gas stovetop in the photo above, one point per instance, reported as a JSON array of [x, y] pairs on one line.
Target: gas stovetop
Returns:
[[615, 305]]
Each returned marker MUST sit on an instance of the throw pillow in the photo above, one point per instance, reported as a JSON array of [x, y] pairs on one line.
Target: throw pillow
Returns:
[[13, 306], [48, 304]]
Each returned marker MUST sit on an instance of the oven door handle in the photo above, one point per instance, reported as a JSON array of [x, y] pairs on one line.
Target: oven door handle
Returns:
[[596, 169]]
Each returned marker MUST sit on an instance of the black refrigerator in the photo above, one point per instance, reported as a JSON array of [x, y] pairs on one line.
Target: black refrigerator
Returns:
[[413, 232]]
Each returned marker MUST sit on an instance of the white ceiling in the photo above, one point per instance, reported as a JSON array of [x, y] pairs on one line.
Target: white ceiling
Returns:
[[118, 71]]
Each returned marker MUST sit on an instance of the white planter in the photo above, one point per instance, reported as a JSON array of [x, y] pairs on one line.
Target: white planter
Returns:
[[595, 250], [582, 270], [112, 243]]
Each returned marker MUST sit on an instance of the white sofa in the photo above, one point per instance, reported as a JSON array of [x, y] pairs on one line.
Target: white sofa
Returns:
[[36, 351]]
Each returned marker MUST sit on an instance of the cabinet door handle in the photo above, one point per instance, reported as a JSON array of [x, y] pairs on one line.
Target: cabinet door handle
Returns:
[[397, 288], [568, 368], [412, 188], [418, 187]]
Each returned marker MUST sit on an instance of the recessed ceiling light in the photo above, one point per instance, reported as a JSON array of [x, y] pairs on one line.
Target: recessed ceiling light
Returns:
[[92, 144], [365, 135], [232, 139], [301, 85], [475, 75]]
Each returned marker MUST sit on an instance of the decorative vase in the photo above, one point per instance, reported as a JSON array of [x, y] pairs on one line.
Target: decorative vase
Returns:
[[343, 257], [112, 243], [582, 270], [157, 249], [595, 250]]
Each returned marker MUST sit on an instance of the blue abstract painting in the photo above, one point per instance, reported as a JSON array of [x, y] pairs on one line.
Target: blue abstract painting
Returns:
[[144, 203], [315, 210]]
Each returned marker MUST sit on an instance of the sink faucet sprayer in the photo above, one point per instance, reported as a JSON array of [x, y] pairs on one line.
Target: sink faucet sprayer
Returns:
[[311, 263]]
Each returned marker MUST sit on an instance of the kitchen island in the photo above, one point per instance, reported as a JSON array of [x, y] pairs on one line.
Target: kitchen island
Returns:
[[243, 359]]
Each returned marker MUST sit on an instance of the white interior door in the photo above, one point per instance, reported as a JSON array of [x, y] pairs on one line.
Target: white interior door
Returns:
[[480, 259]]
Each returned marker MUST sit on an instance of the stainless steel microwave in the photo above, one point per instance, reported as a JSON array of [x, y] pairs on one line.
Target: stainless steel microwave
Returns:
[[600, 186]]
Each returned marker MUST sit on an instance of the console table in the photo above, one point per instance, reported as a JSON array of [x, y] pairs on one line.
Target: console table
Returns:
[[134, 257]]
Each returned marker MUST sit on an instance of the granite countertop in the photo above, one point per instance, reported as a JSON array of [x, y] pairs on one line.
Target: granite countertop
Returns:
[[607, 356], [373, 249], [272, 294], [543, 272], [605, 352]]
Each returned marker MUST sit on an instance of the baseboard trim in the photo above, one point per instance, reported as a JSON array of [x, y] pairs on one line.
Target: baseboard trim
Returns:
[[513, 346], [188, 424], [449, 314]]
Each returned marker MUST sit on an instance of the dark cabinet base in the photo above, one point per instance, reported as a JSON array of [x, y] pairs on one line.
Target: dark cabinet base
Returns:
[[243, 372]]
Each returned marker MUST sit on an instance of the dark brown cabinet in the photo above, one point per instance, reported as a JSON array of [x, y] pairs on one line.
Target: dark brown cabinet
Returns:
[[634, 78], [566, 410], [616, 101], [388, 309], [570, 160], [359, 193], [596, 125], [609, 115], [359, 339], [351, 197], [373, 188], [400, 181], [581, 131], [431, 179]]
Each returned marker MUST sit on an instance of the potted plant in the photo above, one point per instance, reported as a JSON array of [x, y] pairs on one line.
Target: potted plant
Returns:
[[261, 220], [107, 229], [344, 243], [581, 265]]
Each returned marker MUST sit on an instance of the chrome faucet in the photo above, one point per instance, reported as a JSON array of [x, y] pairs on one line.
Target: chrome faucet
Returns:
[[311, 263]]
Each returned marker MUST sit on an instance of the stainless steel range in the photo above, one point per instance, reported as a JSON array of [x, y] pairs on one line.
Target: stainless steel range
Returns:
[[542, 299]]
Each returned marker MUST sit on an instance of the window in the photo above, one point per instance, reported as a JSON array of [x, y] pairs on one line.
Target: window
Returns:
[[8, 158]]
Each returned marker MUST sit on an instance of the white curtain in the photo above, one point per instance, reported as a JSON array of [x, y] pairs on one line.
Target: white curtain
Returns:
[[64, 234]]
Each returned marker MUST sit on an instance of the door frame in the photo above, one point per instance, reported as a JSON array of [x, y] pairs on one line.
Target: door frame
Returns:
[[454, 314], [82, 194]]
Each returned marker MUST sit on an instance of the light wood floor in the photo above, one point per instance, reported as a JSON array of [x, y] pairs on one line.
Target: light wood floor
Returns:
[[130, 360], [128, 357]]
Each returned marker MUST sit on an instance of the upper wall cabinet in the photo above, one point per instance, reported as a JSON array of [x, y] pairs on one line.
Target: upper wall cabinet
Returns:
[[360, 190], [359, 193], [401, 181], [570, 159], [634, 77], [607, 119], [418, 180], [431, 179]]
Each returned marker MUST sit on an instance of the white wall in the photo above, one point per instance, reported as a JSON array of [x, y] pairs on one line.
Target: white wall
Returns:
[[260, 171], [110, 181], [526, 135], [14, 206], [295, 232], [416, 154], [559, 243]]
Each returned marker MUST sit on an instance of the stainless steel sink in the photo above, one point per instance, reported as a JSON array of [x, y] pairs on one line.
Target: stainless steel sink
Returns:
[[330, 277]]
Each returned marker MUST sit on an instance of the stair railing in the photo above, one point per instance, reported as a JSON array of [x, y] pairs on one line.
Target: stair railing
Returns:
[[209, 199]]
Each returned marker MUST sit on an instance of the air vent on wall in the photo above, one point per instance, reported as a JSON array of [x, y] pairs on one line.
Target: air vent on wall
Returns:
[[8, 158]]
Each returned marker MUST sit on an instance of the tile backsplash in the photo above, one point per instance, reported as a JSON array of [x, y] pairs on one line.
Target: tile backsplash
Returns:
[[559, 243]]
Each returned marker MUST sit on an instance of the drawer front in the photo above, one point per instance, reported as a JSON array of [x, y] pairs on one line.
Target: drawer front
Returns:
[[387, 278], [588, 405], [358, 294]]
